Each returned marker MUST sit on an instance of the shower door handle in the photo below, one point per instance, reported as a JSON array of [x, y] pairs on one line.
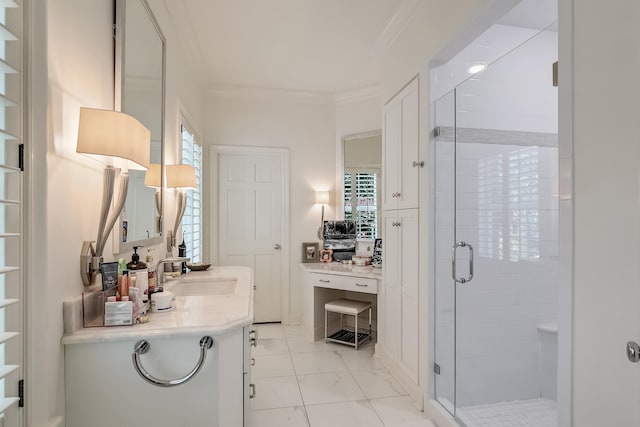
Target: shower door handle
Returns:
[[467, 279]]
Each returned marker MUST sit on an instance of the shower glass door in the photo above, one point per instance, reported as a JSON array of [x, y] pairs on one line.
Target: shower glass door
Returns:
[[496, 241], [443, 143]]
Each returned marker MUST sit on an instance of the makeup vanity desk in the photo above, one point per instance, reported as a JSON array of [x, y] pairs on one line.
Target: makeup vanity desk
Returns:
[[324, 282]]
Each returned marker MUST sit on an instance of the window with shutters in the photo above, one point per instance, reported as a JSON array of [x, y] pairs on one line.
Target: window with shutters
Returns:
[[361, 200], [11, 210], [192, 219]]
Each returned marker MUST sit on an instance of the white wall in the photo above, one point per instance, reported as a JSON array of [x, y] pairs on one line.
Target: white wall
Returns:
[[307, 130], [600, 103], [79, 53], [78, 76]]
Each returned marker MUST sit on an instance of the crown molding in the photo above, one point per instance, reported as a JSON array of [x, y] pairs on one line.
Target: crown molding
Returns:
[[261, 93], [362, 94]]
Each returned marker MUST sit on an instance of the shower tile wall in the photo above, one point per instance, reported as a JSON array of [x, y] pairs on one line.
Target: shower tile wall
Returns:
[[507, 208]]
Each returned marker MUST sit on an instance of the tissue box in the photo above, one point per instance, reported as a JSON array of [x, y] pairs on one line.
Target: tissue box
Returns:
[[118, 313]]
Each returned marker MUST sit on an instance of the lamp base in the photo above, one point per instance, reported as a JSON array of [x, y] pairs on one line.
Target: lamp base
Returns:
[[89, 264], [171, 241]]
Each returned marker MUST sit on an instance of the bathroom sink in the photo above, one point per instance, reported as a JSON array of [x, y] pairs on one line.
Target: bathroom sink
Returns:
[[201, 286]]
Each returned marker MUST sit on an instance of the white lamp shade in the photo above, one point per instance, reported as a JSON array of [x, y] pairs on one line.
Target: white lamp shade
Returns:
[[322, 197], [181, 176], [111, 133], [153, 177]]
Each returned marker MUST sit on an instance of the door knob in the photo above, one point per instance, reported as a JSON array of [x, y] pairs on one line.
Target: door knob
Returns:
[[633, 351], [277, 247]]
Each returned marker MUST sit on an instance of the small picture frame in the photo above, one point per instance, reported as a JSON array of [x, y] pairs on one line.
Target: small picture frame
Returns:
[[310, 252], [326, 255], [376, 260]]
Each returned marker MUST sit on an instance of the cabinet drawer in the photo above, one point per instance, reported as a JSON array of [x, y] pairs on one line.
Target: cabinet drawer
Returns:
[[346, 283]]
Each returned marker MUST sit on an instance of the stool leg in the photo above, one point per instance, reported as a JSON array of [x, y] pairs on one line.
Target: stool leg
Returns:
[[356, 339], [325, 326], [370, 338]]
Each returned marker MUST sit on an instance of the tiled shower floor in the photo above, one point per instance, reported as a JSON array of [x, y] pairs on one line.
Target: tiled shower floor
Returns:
[[521, 413]]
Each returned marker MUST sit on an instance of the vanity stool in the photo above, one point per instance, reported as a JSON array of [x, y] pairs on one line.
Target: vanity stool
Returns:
[[350, 307]]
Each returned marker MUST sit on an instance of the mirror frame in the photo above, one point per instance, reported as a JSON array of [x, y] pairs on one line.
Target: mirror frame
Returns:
[[120, 36], [340, 167]]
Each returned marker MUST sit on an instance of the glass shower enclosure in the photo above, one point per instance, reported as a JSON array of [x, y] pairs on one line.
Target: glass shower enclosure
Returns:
[[496, 266]]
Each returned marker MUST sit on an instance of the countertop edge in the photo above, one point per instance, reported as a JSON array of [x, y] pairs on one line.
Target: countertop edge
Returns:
[[341, 270], [119, 334]]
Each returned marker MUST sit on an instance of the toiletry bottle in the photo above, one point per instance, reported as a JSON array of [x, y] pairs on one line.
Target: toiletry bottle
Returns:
[[123, 284], [152, 274], [138, 269], [182, 252]]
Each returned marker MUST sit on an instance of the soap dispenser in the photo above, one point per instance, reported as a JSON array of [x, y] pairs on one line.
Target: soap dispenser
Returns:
[[139, 269], [182, 252]]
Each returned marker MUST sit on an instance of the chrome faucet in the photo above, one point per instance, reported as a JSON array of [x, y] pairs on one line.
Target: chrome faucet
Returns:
[[160, 277]]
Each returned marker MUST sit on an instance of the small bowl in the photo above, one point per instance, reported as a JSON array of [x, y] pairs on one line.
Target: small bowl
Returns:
[[198, 267]]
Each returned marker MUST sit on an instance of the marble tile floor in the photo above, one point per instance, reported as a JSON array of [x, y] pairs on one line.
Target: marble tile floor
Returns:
[[315, 384]]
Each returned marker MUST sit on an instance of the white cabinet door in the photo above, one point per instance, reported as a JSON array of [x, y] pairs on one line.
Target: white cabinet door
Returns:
[[400, 294], [104, 390], [391, 297], [408, 233], [391, 156], [409, 168], [400, 149]]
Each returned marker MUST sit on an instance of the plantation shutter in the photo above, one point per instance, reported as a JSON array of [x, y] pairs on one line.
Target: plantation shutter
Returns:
[[11, 211], [192, 219], [361, 200]]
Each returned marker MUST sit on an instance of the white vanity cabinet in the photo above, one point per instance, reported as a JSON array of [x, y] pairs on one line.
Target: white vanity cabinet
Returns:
[[327, 282], [104, 390], [401, 150]]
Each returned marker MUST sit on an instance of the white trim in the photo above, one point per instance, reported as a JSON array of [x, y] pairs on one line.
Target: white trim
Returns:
[[565, 148], [216, 151], [261, 93], [38, 381], [362, 94]]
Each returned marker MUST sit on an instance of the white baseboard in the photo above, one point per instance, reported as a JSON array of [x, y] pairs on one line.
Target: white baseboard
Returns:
[[439, 415], [399, 374], [56, 422]]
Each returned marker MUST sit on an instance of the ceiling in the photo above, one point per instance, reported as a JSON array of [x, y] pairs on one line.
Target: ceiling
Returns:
[[328, 46]]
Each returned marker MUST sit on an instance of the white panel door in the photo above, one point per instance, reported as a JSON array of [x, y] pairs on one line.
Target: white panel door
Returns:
[[250, 212]]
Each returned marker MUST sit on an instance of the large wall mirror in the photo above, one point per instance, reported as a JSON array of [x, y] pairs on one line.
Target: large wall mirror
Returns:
[[362, 176], [140, 87]]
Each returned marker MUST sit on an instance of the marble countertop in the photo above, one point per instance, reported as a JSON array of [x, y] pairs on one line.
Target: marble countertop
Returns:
[[192, 315], [340, 269]]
